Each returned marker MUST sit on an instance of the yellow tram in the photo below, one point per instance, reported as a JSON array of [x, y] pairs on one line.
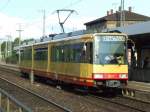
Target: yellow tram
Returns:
[[93, 60]]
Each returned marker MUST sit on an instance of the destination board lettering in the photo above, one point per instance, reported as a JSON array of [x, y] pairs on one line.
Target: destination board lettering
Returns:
[[113, 38]]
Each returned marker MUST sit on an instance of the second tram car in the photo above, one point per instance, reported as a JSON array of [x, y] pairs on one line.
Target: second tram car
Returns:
[[95, 60]]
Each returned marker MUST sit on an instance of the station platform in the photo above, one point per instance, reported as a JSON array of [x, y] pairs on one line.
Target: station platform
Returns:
[[138, 90], [141, 86], [7, 64], [10, 66]]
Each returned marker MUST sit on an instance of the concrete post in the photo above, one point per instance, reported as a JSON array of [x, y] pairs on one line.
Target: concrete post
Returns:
[[32, 77], [20, 109], [0, 100], [8, 105]]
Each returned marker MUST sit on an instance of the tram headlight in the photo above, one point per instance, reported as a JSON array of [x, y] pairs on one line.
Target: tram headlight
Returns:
[[98, 76], [123, 76]]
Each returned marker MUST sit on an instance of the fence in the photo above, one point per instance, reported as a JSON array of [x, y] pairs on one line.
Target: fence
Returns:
[[7, 100]]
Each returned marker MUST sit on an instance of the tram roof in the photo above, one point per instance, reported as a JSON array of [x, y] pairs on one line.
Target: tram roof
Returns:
[[58, 39], [66, 39]]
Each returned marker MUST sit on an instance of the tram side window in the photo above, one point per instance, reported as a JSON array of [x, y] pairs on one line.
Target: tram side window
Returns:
[[41, 54], [26, 54], [65, 53], [57, 54], [86, 54], [22, 54], [72, 53], [76, 52], [53, 56]]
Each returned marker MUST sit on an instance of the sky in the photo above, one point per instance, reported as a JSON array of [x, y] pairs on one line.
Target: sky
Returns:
[[29, 14]]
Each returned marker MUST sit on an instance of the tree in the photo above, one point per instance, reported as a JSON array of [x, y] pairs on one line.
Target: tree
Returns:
[[27, 41], [16, 42], [3, 45]]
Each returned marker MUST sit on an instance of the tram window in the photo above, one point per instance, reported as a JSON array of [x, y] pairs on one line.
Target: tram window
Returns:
[[57, 54], [62, 54], [87, 55], [41, 54], [66, 53], [22, 54], [53, 53], [77, 52], [26, 54], [72, 53]]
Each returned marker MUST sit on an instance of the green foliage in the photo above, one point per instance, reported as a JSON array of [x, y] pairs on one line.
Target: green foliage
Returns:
[[13, 59], [27, 40], [3, 46], [16, 41]]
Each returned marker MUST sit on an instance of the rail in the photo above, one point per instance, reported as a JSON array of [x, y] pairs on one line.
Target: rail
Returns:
[[42, 97], [9, 99]]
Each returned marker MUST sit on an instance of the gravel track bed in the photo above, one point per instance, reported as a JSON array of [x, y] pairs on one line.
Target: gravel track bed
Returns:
[[133, 103], [76, 103], [33, 102], [69, 100]]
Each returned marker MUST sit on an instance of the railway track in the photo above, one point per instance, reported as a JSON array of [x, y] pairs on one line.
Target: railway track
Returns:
[[129, 103], [107, 104], [74, 102], [36, 102]]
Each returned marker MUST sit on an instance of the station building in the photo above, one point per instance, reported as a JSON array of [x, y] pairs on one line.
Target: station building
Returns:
[[112, 20]]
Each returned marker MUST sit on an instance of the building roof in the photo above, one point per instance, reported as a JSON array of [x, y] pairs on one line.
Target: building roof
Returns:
[[134, 29], [129, 16]]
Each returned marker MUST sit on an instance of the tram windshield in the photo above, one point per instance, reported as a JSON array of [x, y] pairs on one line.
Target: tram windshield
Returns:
[[110, 49]]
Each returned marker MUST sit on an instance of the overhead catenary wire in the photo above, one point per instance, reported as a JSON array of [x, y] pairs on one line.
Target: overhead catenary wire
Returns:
[[73, 4]]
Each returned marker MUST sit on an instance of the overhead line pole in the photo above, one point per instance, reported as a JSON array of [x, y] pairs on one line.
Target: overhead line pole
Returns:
[[43, 21], [19, 31], [122, 14], [44, 17], [9, 45]]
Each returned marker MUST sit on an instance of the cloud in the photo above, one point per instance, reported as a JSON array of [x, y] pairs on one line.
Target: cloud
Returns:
[[7, 24], [34, 29]]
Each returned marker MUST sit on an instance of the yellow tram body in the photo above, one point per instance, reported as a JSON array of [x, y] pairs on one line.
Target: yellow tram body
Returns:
[[80, 73]]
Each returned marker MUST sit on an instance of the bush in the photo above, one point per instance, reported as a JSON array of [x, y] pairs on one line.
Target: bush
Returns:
[[13, 59]]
